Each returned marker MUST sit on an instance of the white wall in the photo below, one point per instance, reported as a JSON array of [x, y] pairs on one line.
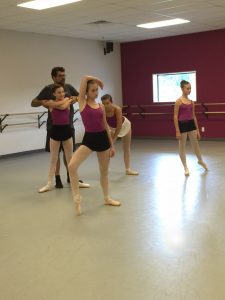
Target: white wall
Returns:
[[26, 60]]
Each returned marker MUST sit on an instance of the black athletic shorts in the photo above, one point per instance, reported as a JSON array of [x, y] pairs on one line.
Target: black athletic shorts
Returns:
[[96, 141], [47, 145], [187, 125]]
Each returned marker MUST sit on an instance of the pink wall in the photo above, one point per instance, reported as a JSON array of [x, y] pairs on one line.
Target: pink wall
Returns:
[[203, 52]]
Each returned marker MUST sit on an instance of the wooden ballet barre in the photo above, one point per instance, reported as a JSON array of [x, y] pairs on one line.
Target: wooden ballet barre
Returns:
[[168, 113], [148, 105], [171, 105], [211, 104], [148, 113], [214, 112]]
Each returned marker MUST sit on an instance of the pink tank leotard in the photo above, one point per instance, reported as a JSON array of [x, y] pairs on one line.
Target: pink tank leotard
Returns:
[[112, 121], [60, 117], [185, 112], [92, 119]]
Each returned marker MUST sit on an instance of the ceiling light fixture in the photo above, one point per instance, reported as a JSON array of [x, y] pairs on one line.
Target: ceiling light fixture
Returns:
[[163, 23], [44, 4]]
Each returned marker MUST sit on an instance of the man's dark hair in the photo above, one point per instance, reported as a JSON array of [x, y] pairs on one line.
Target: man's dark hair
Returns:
[[106, 97], [55, 71]]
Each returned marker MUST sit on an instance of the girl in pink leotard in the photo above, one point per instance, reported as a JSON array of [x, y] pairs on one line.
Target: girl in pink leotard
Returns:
[[96, 138]]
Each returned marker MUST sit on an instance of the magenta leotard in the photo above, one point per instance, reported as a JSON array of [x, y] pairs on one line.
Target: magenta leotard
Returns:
[[185, 112], [60, 117], [92, 119], [112, 121]]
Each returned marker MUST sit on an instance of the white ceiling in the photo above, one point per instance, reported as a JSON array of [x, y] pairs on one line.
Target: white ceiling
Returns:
[[74, 20]]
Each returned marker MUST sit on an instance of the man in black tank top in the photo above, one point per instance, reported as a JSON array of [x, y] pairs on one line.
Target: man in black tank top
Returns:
[[58, 77]]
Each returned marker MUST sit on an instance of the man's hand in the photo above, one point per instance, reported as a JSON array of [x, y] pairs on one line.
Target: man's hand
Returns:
[[45, 103], [74, 99]]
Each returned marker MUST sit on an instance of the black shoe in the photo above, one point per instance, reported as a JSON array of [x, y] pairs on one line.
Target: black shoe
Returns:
[[58, 182]]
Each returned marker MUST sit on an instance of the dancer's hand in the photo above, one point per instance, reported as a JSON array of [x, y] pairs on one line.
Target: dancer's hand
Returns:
[[70, 100], [178, 135], [74, 99], [112, 152], [100, 83]]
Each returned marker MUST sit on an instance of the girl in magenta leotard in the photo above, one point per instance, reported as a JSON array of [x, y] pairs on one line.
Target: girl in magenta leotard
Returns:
[[61, 131], [186, 124], [96, 138], [120, 126]]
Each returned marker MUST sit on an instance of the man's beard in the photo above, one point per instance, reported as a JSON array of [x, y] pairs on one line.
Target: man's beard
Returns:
[[61, 82]]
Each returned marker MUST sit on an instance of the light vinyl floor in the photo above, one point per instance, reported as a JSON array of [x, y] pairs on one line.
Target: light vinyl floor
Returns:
[[166, 241]]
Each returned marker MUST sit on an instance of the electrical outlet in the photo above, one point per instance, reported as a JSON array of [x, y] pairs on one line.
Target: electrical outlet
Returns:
[[203, 129]]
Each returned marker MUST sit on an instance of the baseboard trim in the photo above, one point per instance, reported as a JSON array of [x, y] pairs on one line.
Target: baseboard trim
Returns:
[[21, 153], [17, 154]]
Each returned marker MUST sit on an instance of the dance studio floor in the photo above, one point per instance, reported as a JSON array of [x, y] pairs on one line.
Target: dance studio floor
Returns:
[[166, 241]]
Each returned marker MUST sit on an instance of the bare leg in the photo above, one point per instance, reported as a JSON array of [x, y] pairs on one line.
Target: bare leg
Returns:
[[78, 157], [103, 161], [195, 145], [64, 157], [54, 152], [57, 171], [81, 183], [66, 164], [68, 151], [182, 152], [126, 140]]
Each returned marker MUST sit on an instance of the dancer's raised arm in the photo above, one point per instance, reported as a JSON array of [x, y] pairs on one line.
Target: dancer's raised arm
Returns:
[[83, 89]]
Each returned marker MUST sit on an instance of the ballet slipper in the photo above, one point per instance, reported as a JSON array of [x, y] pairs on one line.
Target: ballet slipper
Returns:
[[131, 172], [111, 202], [203, 165], [45, 188], [186, 172]]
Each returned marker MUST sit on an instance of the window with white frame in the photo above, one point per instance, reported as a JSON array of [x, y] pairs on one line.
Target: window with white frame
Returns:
[[166, 86]]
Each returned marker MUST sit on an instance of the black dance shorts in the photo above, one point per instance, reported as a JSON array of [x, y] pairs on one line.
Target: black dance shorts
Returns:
[[96, 141], [47, 144], [187, 125]]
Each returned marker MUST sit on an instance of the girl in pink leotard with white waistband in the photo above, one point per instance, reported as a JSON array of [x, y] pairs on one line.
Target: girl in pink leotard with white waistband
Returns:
[[120, 126]]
